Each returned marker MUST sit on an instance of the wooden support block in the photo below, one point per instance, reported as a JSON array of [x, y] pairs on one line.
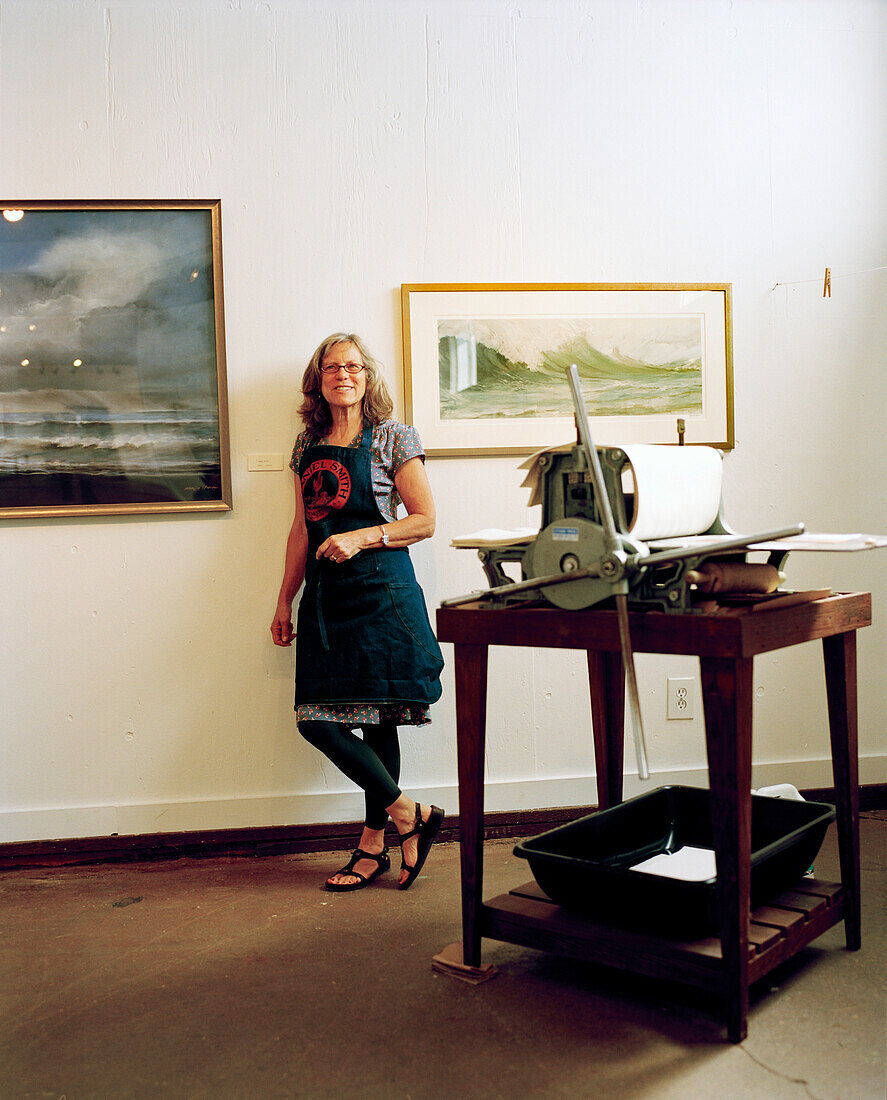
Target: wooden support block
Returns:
[[777, 918], [805, 904], [449, 961], [762, 936], [828, 891]]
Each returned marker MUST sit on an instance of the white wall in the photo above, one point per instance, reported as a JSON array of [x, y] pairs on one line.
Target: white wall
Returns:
[[359, 145]]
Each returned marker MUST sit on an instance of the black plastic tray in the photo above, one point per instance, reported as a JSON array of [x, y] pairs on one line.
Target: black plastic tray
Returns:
[[587, 864]]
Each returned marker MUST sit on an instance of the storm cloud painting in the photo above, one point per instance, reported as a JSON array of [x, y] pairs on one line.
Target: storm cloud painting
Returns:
[[514, 366], [111, 360]]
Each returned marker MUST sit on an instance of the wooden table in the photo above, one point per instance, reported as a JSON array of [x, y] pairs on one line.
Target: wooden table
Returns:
[[748, 945]]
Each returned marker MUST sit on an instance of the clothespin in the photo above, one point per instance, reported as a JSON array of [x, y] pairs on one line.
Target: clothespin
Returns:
[[682, 427], [827, 284]]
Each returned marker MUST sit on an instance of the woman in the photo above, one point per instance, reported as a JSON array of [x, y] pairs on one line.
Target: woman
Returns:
[[366, 655]]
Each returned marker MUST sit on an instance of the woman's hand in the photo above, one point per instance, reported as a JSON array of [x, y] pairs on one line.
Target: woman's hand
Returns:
[[339, 548], [282, 632]]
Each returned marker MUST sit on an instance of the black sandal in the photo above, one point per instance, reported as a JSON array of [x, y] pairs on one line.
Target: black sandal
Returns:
[[381, 859], [426, 831]]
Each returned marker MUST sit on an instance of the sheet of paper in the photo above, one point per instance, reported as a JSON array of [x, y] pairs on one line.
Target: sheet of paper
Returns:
[[493, 537], [688, 863], [810, 540]]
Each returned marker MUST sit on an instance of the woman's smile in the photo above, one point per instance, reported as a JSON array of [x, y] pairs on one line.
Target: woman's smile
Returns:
[[340, 387]]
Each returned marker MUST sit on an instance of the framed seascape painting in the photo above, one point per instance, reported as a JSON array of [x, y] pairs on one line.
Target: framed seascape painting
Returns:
[[112, 347], [485, 364]]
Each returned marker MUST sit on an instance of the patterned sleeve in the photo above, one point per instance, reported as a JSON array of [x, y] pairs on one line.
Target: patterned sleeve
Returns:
[[393, 445], [298, 450], [405, 445]]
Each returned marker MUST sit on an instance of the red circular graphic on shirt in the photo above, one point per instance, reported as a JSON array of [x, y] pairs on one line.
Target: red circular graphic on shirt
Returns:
[[326, 487]]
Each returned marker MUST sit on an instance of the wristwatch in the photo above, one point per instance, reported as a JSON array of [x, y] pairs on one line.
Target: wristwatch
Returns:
[[384, 535]]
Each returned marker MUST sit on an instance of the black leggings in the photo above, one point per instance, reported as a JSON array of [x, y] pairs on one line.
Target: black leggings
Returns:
[[373, 763]]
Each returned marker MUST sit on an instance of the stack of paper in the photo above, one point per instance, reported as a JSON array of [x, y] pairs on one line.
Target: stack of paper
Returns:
[[494, 538]]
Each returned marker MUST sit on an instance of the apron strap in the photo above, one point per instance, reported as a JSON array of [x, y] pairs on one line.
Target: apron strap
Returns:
[[321, 625]]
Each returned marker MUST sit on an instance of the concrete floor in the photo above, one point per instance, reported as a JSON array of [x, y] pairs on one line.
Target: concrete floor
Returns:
[[241, 978]]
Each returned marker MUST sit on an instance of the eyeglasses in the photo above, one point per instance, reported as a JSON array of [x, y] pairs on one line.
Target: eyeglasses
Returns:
[[352, 368]]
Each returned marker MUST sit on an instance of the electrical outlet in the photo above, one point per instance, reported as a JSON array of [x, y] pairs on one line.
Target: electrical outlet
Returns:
[[680, 698]]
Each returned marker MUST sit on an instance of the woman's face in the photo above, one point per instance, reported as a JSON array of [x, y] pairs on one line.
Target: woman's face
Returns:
[[340, 388]]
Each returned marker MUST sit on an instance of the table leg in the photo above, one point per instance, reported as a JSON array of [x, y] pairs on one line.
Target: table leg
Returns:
[[471, 715], [840, 678], [727, 701], [606, 682]]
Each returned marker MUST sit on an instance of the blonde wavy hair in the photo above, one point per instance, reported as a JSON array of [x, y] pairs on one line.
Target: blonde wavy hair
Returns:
[[314, 410]]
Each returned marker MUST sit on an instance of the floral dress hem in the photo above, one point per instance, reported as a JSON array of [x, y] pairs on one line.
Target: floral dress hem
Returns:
[[369, 714]]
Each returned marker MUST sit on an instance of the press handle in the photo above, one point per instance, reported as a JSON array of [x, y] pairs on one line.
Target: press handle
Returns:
[[613, 545]]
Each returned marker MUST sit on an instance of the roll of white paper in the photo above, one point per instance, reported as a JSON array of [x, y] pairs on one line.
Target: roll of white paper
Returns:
[[677, 490]]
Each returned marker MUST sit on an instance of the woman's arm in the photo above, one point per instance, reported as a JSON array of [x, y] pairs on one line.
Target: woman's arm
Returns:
[[293, 573], [412, 484], [411, 481]]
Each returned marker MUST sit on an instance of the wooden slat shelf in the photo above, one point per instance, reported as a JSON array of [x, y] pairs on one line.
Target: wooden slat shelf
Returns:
[[528, 917]]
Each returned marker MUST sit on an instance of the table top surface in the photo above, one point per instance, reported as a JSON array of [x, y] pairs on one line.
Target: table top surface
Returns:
[[734, 633]]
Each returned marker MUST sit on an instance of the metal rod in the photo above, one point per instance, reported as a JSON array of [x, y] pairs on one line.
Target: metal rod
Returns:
[[612, 544], [523, 586], [740, 542]]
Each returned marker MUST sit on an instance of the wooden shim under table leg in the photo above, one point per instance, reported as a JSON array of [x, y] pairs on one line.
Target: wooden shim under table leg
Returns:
[[449, 961]]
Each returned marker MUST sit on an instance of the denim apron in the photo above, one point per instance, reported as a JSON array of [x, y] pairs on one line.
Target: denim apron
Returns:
[[363, 634]]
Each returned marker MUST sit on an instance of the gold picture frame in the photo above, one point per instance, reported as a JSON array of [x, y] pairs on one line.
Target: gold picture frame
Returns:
[[484, 363], [113, 393]]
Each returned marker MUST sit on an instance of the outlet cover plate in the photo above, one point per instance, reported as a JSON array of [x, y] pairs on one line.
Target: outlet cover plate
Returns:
[[680, 698]]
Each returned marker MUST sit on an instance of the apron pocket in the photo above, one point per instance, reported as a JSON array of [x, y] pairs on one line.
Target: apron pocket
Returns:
[[409, 607], [363, 564]]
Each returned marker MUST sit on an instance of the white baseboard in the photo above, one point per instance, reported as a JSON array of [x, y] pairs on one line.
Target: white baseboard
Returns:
[[135, 819]]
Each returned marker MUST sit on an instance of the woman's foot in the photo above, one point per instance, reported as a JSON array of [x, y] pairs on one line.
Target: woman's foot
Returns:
[[417, 825], [372, 841], [341, 881]]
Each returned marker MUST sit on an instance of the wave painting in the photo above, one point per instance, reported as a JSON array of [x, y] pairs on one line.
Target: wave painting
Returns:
[[515, 367], [109, 384]]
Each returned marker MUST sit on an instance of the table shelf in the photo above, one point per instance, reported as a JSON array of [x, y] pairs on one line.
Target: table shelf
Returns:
[[776, 931]]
